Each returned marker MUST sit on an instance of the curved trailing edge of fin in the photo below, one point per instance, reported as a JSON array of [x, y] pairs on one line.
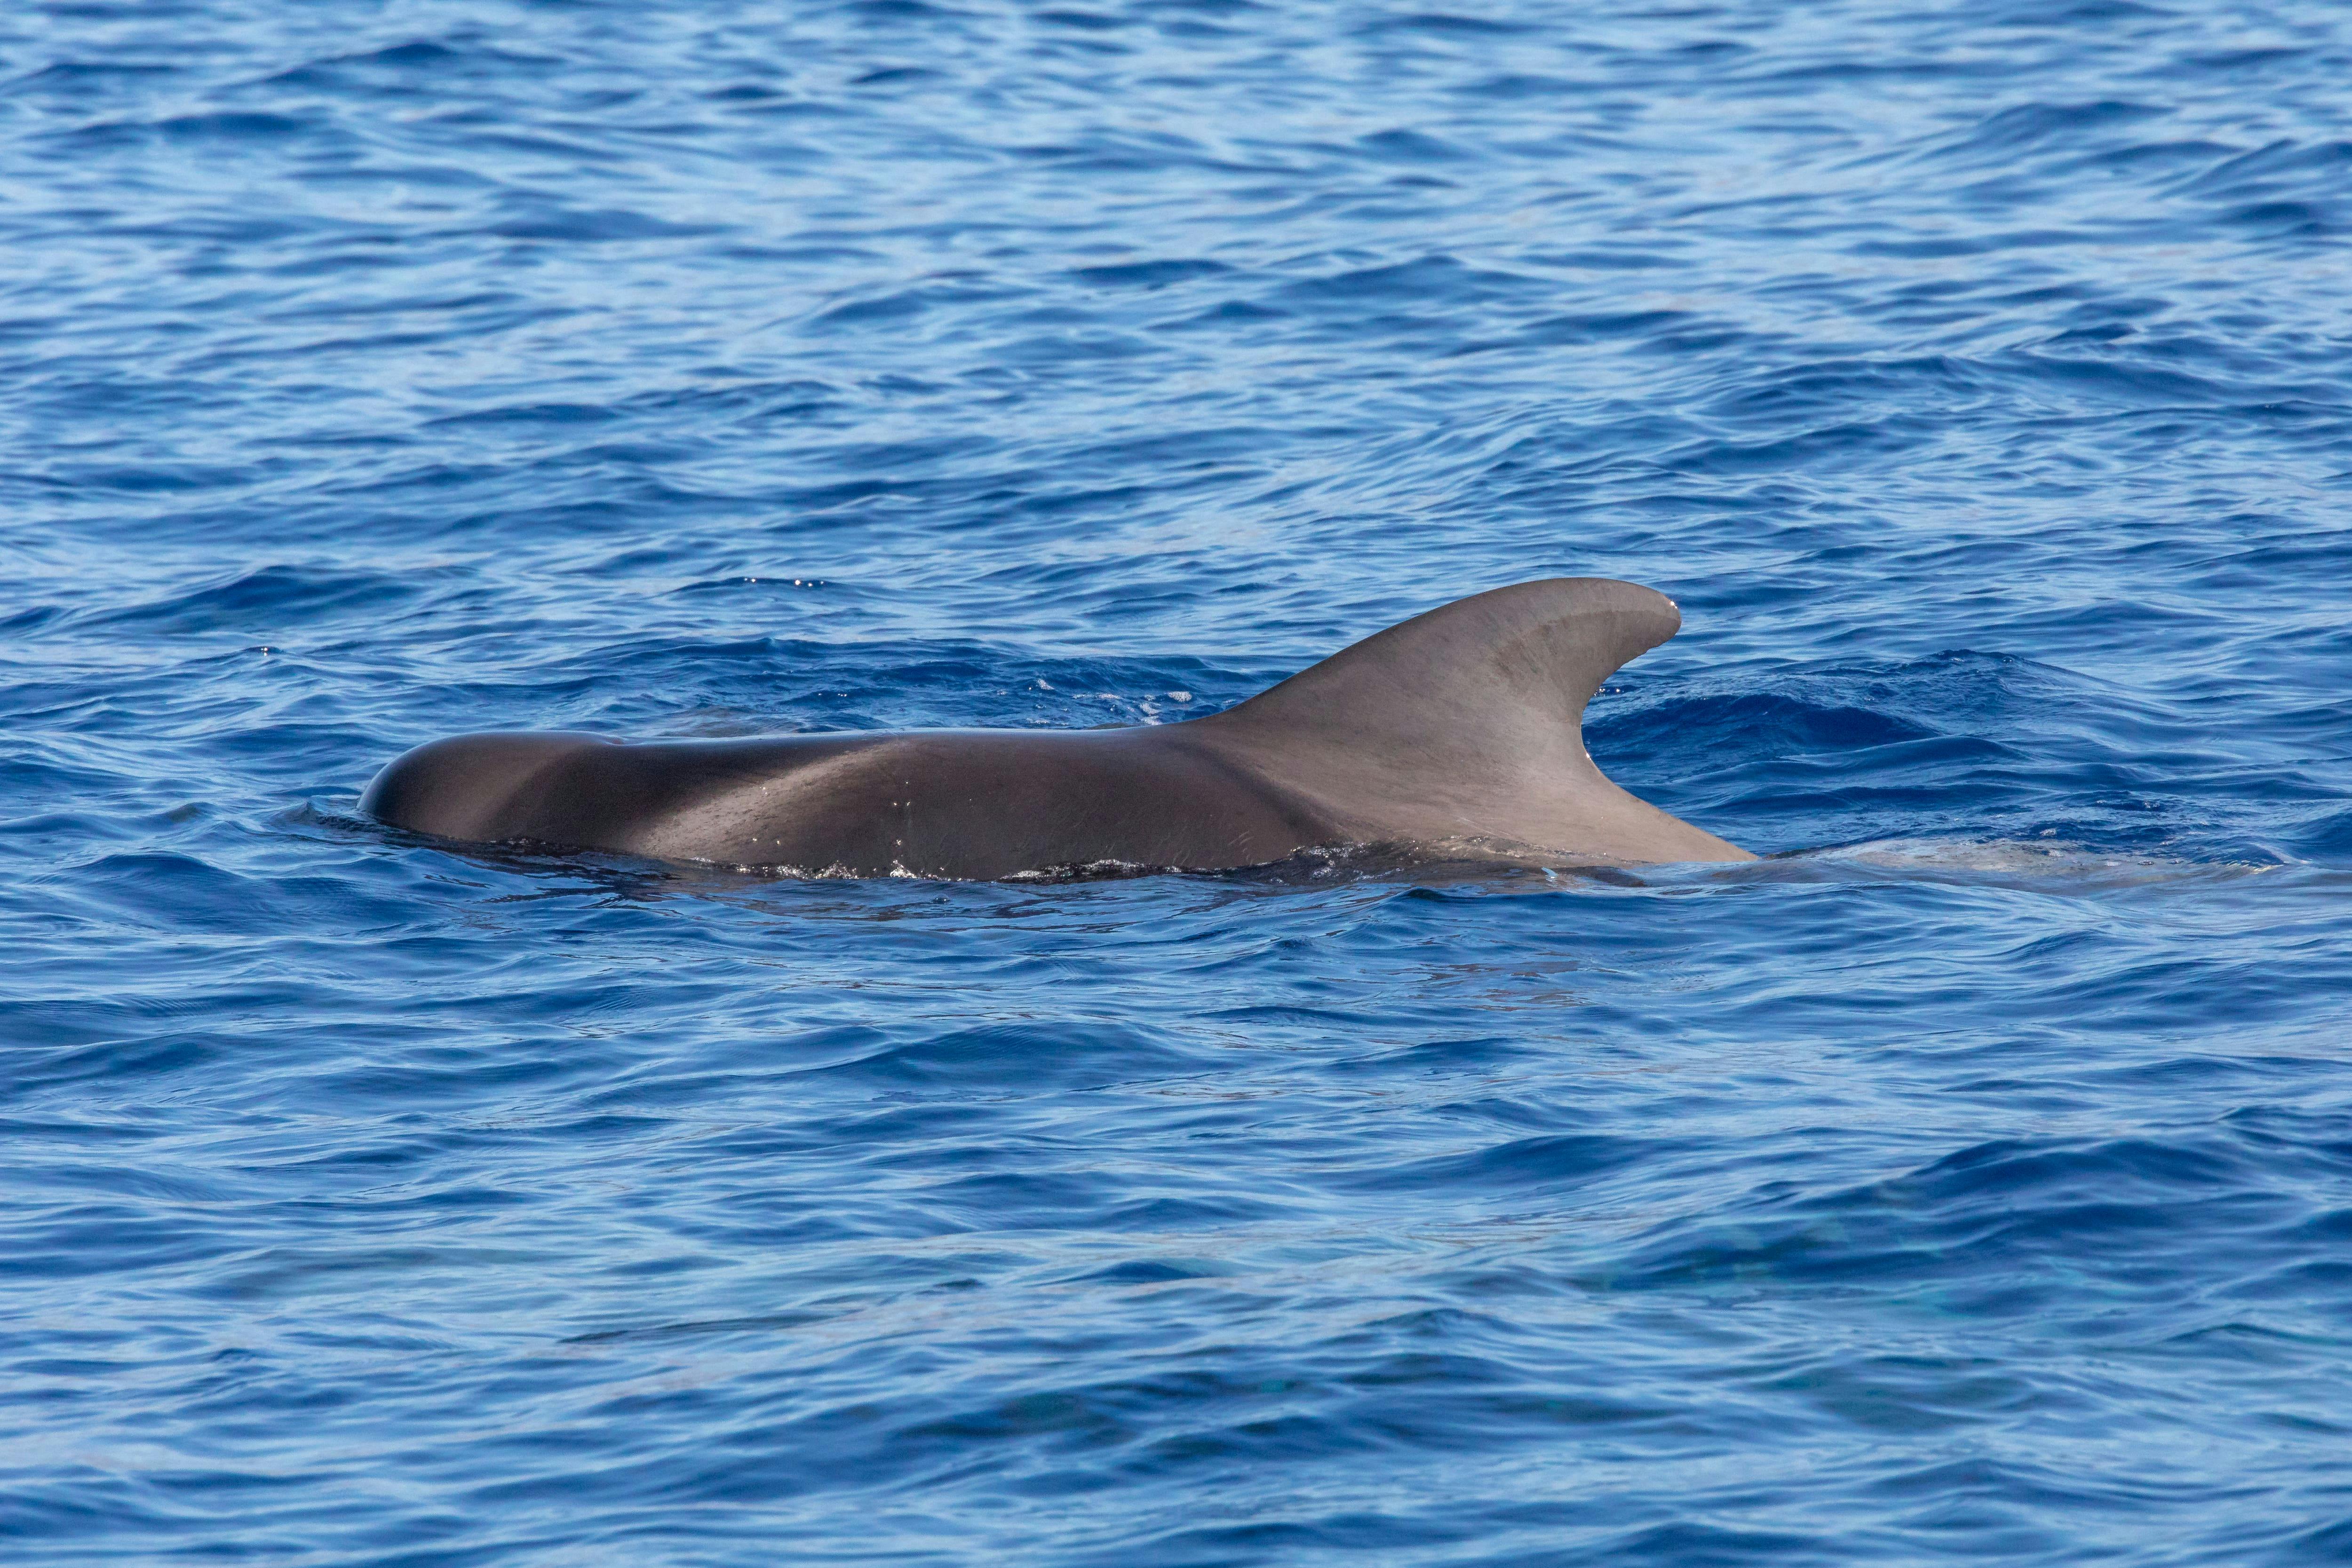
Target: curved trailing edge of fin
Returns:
[[1466, 724]]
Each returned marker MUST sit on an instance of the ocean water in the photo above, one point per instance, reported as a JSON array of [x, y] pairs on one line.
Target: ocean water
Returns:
[[1968, 1181]]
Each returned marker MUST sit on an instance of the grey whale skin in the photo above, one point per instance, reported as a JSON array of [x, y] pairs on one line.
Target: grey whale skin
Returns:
[[1459, 731]]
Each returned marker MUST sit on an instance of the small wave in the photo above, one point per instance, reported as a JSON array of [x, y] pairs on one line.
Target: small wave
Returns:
[[1970, 1180]]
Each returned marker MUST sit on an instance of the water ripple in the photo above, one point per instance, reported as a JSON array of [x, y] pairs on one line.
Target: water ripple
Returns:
[[1963, 1181]]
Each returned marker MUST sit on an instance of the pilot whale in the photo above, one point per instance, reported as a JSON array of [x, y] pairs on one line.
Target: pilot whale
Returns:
[[1458, 731]]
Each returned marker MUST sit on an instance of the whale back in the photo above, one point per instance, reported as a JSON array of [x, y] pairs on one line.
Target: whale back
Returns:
[[1461, 728], [1466, 724]]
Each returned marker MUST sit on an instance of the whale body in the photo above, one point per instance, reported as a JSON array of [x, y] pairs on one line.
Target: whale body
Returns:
[[1458, 731]]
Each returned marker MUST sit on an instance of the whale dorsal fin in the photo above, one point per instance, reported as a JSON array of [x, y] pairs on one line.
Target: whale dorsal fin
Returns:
[[1466, 723], [1498, 660]]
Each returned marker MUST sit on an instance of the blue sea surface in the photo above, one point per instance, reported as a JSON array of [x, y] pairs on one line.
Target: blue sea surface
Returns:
[[1968, 1181]]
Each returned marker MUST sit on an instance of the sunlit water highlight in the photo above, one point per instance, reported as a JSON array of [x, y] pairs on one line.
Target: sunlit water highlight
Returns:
[[1970, 1180]]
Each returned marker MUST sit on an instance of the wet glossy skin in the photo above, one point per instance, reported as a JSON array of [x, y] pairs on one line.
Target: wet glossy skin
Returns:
[[1458, 729]]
